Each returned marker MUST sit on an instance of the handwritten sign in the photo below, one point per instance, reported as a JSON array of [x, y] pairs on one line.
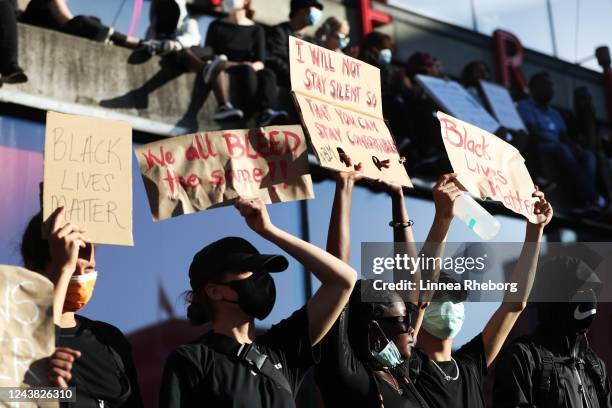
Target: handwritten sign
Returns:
[[339, 100], [502, 105], [454, 99], [487, 166], [88, 171], [195, 172], [27, 333]]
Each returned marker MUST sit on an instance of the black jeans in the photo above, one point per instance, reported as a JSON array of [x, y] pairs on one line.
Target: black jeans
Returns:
[[8, 37], [251, 90]]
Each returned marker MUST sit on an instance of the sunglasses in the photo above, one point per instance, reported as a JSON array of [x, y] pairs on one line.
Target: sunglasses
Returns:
[[399, 324]]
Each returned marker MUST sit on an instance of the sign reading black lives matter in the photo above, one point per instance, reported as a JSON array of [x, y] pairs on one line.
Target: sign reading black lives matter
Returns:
[[88, 171]]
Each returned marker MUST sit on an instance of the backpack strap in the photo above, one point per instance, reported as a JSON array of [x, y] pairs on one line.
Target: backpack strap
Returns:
[[261, 363], [249, 354], [597, 373], [546, 392]]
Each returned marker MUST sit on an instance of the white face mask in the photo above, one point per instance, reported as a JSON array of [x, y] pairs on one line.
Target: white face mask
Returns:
[[232, 5]]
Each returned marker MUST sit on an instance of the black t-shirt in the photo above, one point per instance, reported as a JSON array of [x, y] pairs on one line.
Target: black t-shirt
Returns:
[[105, 370], [345, 381], [464, 392], [238, 42], [196, 374]]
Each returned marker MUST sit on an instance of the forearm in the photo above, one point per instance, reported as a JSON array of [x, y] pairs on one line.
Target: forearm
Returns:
[[60, 287], [403, 239], [339, 232], [326, 267], [501, 323], [434, 247], [524, 272]]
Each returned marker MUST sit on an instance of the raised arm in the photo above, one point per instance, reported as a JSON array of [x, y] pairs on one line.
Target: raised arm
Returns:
[[502, 321], [337, 278], [339, 232], [64, 244], [445, 192]]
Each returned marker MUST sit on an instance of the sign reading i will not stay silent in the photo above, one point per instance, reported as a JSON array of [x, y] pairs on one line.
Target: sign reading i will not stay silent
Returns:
[[487, 166], [195, 172], [339, 100], [88, 171]]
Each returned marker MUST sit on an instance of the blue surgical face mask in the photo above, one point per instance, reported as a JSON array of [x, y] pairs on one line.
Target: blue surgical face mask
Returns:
[[314, 16], [384, 56], [444, 319], [389, 356], [344, 42]]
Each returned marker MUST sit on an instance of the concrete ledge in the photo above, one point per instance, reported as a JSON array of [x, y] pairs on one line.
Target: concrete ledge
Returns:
[[73, 74]]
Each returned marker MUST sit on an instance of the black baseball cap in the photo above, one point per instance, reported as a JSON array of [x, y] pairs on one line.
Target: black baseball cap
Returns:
[[231, 254], [300, 4]]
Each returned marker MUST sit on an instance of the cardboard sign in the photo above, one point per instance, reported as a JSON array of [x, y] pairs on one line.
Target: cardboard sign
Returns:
[[195, 172], [27, 333], [339, 100], [454, 99], [502, 105], [88, 171], [487, 166]]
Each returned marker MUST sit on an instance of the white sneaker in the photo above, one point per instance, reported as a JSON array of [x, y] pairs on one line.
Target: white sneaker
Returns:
[[213, 68], [270, 116], [227, 111]]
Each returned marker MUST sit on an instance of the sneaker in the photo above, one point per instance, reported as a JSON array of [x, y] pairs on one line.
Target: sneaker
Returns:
[[213, 68], [16, 76], [270, 117], [227, 111]]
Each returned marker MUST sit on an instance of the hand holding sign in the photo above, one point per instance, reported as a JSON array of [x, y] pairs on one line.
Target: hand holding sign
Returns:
[[64, 243], [542, 209], [446, 190], [255, 214]]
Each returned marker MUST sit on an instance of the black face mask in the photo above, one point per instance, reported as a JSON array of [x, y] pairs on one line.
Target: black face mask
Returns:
[[574, 316], [582, 309], [256, 294]]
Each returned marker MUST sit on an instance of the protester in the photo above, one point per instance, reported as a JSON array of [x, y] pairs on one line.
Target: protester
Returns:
[[426, 143], [424, 64], [243, 42], [302, 14], [583, 132], [548, 127], [455, 379], [365, 357], [472, 74], [56, 15], [231, 286], [172, 32], [10, 71], [554, 366], [333, 34], [92, 356], [377, 49]]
